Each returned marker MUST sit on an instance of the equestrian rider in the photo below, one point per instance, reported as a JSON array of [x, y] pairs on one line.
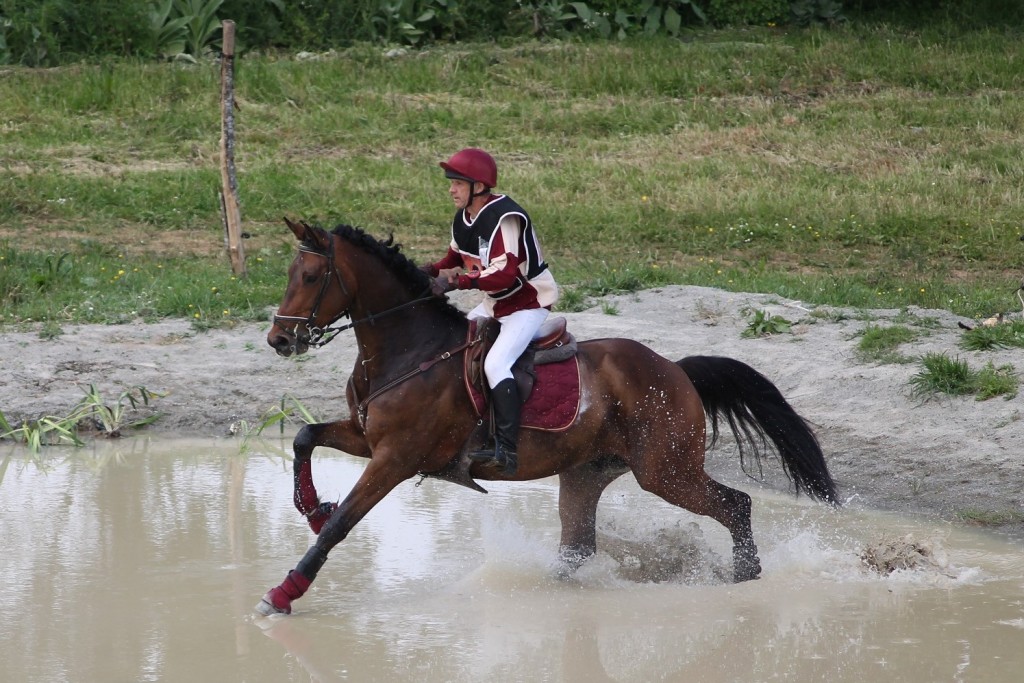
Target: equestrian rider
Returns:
[[494, 249]]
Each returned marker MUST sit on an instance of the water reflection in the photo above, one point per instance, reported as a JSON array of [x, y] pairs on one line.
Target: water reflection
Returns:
[[141, 560]]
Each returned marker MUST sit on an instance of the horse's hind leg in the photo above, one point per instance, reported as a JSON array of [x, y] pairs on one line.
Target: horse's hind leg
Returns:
[[579, 491], [702, 495]]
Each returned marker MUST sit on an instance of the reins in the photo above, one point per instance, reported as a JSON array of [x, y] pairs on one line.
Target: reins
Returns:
[[319, 336]]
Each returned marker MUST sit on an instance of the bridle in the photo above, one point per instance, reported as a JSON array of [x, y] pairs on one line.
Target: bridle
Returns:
[[318, 336]]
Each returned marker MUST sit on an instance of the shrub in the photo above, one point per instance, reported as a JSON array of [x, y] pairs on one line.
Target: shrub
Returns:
[[746, 12]]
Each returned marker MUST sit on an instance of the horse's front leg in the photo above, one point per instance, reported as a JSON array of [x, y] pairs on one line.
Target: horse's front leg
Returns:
[[344, 435], [381, 475]]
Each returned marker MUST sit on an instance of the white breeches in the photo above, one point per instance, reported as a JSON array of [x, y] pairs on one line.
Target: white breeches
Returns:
[[517, 331]]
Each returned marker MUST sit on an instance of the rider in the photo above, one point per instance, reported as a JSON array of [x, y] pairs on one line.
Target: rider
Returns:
[[494, 249]]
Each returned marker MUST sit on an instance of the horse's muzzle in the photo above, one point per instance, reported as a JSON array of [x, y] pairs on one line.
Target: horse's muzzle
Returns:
[[288, 343]]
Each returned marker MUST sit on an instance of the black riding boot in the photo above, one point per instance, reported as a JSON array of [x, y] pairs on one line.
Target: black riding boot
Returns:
[[505, 399]]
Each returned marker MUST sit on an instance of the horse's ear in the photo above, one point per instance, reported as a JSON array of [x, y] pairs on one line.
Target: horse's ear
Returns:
[[299, 229], [318, 236]]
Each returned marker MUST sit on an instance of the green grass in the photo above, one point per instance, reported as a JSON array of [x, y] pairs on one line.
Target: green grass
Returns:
[[1006, 335], [941, 374], [866, 166], [990, 518], [880, 344]]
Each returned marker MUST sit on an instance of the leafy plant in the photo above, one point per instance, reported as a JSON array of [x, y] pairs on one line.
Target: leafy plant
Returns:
[[807, 12], [764, 324], [112, 419], [45, 431], [287, 410], [410, 21], [981, 517], [201, 24], [52, 272], [748, 12], [650, 17], [50, 329], [953, 376], [169, 33]]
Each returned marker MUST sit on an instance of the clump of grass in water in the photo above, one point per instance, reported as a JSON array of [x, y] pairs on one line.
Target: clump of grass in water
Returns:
[[289, 409], [990, 517], [111, 419], [108, 419], [45, 431]]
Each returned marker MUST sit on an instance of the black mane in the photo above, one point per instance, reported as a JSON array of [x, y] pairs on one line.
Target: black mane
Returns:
[[390, 254]]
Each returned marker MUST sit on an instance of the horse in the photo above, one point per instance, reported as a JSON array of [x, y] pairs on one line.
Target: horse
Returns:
[[410, 412]]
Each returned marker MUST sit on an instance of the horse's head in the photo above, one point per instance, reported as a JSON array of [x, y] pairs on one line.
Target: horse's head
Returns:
[[316, 295]]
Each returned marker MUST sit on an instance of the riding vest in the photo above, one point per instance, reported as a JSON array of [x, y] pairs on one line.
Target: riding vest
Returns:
[[475, 242]]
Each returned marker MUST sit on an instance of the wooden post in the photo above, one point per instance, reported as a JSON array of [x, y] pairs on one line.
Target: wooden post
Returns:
[[230, 213]]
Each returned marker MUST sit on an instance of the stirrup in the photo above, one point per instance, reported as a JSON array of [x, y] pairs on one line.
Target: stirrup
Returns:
[[498, 458], [486, 454]]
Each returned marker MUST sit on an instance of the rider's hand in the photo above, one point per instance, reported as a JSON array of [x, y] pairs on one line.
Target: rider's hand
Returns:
[[440, 285], [452, 274]]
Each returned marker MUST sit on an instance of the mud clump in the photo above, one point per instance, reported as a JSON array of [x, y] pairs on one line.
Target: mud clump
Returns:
[[904, 553]]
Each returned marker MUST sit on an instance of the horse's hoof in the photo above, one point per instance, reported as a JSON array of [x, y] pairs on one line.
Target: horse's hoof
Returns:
[[741, 577], [275, 602], [571, 559], [746, 566], [266, 608], [746, 570]]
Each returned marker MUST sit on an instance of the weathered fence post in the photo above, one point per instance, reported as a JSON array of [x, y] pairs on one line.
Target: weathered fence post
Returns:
[[230, 213]]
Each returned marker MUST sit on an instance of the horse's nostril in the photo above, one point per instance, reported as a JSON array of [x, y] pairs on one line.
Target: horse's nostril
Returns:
[[278, 341]]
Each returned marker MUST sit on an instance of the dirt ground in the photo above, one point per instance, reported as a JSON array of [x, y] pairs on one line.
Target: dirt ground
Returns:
[[948, 457]]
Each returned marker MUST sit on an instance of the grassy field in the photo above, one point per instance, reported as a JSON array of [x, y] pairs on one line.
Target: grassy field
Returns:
[[867, 166]]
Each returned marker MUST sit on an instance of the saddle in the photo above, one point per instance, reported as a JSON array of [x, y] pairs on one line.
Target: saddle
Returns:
[[554, 408], [553, 343]]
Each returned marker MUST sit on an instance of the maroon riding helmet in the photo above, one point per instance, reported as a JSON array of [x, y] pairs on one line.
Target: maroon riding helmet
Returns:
[[474, 166]]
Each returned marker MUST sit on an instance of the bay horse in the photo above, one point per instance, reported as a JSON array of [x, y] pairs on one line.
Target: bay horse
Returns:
[[411, 413]]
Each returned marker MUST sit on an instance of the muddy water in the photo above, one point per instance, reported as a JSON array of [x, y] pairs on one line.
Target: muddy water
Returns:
[[141, 560]]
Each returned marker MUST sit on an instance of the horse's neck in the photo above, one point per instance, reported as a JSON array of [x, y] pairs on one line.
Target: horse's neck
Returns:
[[410, 336]]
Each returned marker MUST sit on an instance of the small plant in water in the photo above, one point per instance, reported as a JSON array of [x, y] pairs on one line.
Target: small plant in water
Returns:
[[289, 408], [111, 419], [763, 325], [45, 431]]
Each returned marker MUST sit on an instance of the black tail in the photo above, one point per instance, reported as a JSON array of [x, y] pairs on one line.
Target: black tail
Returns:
[[756, 411]]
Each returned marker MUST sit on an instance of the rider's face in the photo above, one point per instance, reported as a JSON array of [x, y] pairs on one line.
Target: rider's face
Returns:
[[459, 192]]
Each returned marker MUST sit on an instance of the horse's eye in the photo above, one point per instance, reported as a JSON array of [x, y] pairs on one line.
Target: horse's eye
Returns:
[[311, 278]]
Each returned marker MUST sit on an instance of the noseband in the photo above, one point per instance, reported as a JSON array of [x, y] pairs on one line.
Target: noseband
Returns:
[[318, 336]]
